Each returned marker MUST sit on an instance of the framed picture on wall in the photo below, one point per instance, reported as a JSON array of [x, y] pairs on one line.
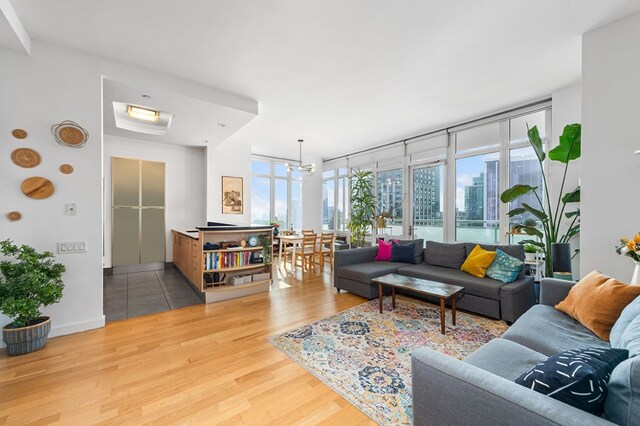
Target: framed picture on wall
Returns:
[[232, 195]]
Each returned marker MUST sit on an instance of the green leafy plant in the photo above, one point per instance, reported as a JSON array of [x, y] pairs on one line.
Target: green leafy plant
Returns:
[[265, 242], [31, 281], [363, 206], [530, 248], [549, 212]]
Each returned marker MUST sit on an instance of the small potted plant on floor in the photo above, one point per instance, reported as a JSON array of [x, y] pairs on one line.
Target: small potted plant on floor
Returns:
[[29, 282], [530, 252]]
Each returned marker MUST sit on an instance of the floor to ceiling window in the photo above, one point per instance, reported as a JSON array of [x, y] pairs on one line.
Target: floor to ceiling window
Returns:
[[390, 197], [428, 202], [524, 168], [335, 188], [276, 195], [454, 179]]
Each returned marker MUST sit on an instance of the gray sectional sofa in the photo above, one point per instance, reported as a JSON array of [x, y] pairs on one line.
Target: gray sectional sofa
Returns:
[[480, 390], [354, 269]]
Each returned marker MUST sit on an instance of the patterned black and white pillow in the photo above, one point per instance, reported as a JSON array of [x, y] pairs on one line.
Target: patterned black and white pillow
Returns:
[[577, 377]]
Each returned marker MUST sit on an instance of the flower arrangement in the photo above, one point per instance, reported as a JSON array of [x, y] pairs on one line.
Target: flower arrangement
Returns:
[[275, 224], [630, 247]]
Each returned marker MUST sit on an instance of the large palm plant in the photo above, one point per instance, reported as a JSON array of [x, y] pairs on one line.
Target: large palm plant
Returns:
[[363, 206], [549, 212]]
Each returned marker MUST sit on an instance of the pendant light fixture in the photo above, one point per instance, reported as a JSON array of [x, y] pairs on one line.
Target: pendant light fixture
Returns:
[[303, 168]]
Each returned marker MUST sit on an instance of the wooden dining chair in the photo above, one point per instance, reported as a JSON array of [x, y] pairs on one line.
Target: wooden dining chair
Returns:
[[306, 253], [324, 249], [308, 232]]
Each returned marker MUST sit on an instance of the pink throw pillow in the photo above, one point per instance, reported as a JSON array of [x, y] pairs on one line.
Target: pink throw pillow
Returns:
[[384, 250]]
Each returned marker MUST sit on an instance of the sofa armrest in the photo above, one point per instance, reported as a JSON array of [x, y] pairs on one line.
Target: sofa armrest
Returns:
[[353, 256], [554, 291], [447, 391], [516, 298]]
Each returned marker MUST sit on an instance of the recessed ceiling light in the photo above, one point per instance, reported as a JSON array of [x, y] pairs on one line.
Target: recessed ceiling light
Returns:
[[222, 125], [142, 113], [146, 96], [637, 152]]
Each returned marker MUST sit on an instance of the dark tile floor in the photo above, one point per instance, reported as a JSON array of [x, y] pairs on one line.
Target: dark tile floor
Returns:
[[142, 293]]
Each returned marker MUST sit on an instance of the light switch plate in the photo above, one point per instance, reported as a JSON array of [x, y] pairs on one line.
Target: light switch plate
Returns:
[[72, 247]]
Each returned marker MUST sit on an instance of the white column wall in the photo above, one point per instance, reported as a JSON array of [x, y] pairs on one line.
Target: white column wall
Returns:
[[610, 170], [228, 159], [50, 86]]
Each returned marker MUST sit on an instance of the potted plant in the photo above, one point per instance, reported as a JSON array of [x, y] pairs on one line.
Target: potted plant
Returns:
[[265, 242], [548, 212], [275, 225], [363, 206], [29, 282], [530, 251]]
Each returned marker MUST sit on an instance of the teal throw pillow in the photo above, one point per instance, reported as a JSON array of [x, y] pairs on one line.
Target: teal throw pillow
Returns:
[[504, 268]]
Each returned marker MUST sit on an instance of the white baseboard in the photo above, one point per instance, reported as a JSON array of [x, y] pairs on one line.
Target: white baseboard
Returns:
[[72, 328]]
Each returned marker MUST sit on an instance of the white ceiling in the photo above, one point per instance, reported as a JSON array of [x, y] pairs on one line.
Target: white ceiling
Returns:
[[343, 75], [194, 120]]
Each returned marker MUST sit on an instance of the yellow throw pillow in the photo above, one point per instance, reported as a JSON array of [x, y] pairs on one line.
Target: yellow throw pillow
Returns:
[[478, 261], [597, 301]]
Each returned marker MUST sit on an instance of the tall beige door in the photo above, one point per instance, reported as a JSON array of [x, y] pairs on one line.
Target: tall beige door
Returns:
[[138, 209]]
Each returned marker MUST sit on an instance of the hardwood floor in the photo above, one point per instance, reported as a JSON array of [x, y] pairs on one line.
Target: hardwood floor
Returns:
[[203, 364]]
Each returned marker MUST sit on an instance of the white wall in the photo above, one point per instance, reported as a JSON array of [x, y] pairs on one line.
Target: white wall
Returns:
[[228, 159], [610, 171], [567, 109], [51, 86], [312, 197], [185, 184]]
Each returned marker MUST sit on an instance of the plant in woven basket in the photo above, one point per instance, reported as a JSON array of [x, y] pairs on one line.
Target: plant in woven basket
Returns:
[[28, 283]]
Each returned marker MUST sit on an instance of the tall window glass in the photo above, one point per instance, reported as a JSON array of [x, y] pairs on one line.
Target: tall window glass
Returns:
[[478, 199], [260, 200], [280, 206], [390, 195], [428, 203], [328, 205], [524, 169]]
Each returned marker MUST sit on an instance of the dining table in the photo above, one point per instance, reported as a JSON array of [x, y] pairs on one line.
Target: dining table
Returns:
[[295, 240]]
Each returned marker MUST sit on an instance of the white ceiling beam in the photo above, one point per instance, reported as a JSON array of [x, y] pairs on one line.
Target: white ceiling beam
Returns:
[[14, 21]]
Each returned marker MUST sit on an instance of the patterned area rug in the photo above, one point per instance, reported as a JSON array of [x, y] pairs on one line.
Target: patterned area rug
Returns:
[[365, 356]]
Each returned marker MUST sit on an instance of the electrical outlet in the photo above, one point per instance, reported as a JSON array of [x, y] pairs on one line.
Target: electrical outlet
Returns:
[[77, 247]]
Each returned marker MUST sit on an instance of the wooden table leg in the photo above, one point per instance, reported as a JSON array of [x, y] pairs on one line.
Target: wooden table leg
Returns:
[[442, 309], [453, 309], [380, 296], [393, 297]]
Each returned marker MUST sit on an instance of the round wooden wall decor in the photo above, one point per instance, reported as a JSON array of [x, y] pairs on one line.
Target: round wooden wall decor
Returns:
[[19, 133], [70, 133], [37, 188], [14, 216], [25, 157], [66, 169]]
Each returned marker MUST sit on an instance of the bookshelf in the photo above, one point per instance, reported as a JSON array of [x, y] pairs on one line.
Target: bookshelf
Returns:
[[240, 271]]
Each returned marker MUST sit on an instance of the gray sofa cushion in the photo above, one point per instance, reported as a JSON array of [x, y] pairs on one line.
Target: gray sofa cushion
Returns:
[[630, 339], [515, 250], [419, 247], [446, 255], [629, 313], [484, 287], [622, 405], [505, 358], [364, 272], [548, 331]]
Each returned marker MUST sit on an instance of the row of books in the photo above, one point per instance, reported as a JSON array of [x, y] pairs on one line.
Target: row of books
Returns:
[[220, 260]]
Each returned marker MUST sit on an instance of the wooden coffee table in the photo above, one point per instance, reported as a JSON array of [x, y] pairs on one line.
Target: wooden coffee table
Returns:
[[430, 288]]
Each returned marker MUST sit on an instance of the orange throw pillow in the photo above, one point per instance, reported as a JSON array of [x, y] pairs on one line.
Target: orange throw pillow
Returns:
[[597, 301], [478, 261]]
